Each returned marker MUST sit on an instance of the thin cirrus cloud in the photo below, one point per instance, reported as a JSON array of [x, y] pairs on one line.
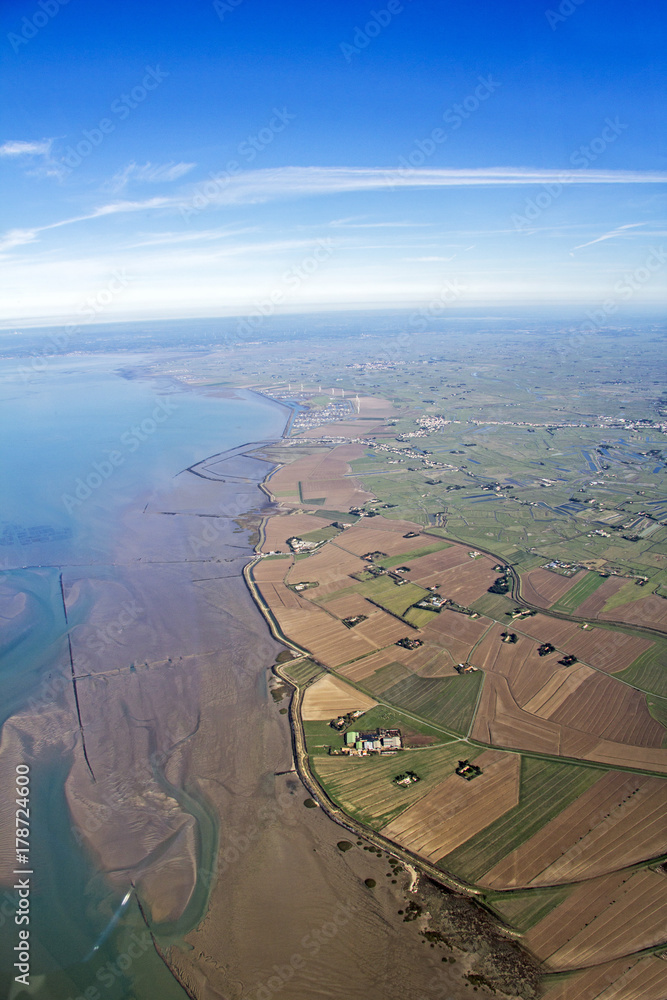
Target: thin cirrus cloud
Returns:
[[260, 186], [151, 173], [36, 155], [19, 147], [609, 236]]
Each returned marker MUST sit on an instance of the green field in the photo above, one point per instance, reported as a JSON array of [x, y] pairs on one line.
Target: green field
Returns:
[[577, 594], [363, 786], [494, 606], [319, 737], [321, 535], [392, 561], [302, 671], [337, 515], [631, 592], [525, 908], [388, 717], [546, 789], [649, 670], [447, 701], [389, 595], [385, 677], [419, 616]]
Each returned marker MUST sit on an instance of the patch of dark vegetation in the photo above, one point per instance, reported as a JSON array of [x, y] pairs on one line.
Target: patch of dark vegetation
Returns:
[[284, 656], [412, 911], [344, 845], [283, 711], [476, 980], [310, 804], [499, 964], [370, 882]]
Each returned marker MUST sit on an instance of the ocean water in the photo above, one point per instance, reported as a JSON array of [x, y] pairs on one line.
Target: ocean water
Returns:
[[78, 443]]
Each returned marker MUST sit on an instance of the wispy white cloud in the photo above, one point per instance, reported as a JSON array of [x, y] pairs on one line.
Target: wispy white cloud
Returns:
[[610, 235], [353, 223], [16, 238], [261, 186], [152, 173], [37, 155], [169, 238], [429, 260], [18, 147]]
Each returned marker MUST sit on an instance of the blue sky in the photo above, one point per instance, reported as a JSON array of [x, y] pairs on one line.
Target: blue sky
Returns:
[[228, 158]]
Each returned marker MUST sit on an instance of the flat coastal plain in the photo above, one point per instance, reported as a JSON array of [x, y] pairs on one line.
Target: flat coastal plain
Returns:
[[520, 666]]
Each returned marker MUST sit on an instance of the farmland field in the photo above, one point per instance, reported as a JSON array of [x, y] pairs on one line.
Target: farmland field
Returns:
[[617, 821], [542, 587], [388, 595], [601, 920], [648, 671], [457, 809], [624, 979], [525, 908], [447, 701], [329, 696], [550, 843], [363, 786], [545, 789], [302, 671], [578, 593]]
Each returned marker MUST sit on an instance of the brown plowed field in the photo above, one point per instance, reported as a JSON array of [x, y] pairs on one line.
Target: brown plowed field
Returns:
[[438, 633], [500, 721], [349, 605], [380, 535], [457, 809], [646, 758], [625, 979], [610, 651], [414, 659], [286, 480], [342, 428], [547, 629], [575, 744], [650, 610], [278, 595], [329, 696], [522, 689], [330, 565], [279, 528], [611, 710], [336, 494], [367, 666], [617, 822], [271, 570], [348, 452], [594, 604], [440, 663], [328, 640], [467, 581], [543, 588], [601, 920], [381, 629], [374, 406], [526, 672], [563, 683], [434, 568], [451, 623]]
